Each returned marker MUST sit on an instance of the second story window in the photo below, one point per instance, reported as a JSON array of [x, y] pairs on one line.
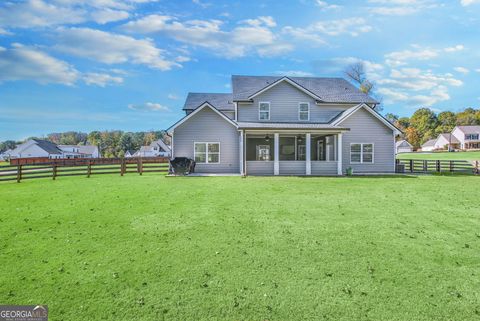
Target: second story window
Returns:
[[264, 111], [304, 111], [471, 137]]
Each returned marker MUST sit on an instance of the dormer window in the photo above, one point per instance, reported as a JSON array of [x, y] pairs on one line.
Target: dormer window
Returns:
[[303, 111], [264, 111]]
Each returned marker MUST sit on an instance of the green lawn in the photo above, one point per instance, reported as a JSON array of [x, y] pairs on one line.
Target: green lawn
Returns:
[[441, 155], [229, 248]]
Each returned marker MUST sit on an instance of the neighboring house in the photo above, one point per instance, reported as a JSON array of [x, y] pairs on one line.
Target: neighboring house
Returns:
[[467, 136], [429, 145], [129, 153], [4, 156], [157, 148], [36, 148], [79, 151], [285, 126], [44, 148], [402, 146], [443, 142], [447, 141]]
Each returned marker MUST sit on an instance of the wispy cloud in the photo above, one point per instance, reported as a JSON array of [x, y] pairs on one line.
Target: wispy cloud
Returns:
[[110, 48], [294, 73], [466, 3], [462, 70], [148, 106], [251, 35]]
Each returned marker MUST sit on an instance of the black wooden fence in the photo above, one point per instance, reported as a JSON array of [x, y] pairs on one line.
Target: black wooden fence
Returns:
[[84, 167], [437, 166]]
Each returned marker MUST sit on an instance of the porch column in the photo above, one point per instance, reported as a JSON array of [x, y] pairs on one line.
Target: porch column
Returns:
[[308, 158], [276, 149], [241, 153], [339, 154]]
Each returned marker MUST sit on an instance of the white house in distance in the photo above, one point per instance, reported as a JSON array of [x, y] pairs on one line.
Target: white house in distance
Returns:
[[157, 148], [80, 151], [443, 141], [462, 137], [468, 136], [402, 146], [44, 148]]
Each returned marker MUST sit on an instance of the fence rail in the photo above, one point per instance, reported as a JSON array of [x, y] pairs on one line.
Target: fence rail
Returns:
[[83, 167], [437, 166]]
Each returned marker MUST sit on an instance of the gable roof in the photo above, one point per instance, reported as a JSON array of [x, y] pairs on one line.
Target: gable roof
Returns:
[[202, 106], [160, 143], [331, 90], [449, 138], [429, 143], [402, 142], [350, 111], [474, 129], [220, 101], [47, 146]]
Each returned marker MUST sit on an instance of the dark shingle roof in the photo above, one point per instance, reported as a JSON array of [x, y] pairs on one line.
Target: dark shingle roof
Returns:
[[429, 143], [47, 146], [333, 90], [219, 101]]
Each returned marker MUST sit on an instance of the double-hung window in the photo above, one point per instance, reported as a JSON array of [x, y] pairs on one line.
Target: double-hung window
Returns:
[[207, 153], [361, 153], [264, 111], [471, 137], [303, 111]]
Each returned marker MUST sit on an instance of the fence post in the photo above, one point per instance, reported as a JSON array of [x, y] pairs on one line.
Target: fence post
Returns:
[[89, 168], [19, 173], [451, 166], [411, 165], [139, 166], [438, 166], [425, 165], [477, 169], [122, 166], [54, 171]]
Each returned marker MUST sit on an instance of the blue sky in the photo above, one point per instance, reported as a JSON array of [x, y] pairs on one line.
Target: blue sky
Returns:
[[128, 64]]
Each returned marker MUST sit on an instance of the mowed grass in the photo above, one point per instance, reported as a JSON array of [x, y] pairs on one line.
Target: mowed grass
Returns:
[[229, 248], [441, 155]]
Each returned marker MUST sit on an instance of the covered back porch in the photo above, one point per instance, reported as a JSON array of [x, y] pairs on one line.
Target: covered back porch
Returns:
[[291, 152]]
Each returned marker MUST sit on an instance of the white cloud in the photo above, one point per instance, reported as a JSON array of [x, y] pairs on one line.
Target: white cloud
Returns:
[[294, 73], [173, 97], [326, 6], [454, 48], [462, 70], [466, 3], [477, 70], [4, 32], [42, 13], [37, 13], [109, 15], [110, 48], [101, 79], [251, 35], [148, 106], [27, 63], [401, 7], [399, 58], [201, 3]]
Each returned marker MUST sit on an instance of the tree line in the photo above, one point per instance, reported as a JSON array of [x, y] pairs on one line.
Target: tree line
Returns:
[[425, 124], [113, 143]]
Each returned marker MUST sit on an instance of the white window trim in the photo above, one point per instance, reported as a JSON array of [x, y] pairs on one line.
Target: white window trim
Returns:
[[206, 152], [361, 153], [259, 110], [308, 111]]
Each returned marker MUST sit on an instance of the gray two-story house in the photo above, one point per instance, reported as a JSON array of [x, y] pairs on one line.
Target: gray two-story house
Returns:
[[285, 126]]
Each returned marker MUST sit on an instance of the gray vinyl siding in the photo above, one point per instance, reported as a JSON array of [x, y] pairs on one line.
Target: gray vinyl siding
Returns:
[[259, 168], [284, 100], [292, 167], [229, 113], [208, 126], [324, 168], [365, 128]]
